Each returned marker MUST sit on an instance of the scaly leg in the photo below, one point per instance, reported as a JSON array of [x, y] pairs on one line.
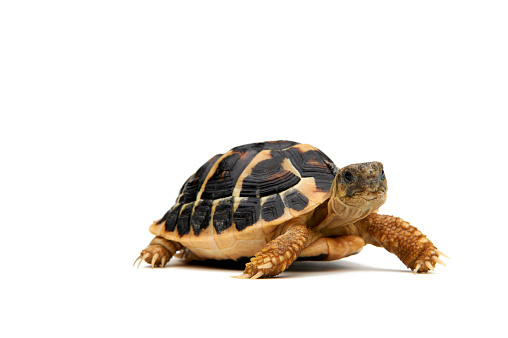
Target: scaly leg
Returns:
[[402, 239], [278, 254], [158, 252]]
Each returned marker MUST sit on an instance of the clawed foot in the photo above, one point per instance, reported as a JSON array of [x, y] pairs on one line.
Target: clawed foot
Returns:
[[262, 266], [277, 255], [155, 255], [427, 260]]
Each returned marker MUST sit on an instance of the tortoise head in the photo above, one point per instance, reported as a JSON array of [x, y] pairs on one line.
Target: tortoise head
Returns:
[[361, 185]]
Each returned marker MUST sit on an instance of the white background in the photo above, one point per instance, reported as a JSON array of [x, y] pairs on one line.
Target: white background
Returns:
[[108, 106]]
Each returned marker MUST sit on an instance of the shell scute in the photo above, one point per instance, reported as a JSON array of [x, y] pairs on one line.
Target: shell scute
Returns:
[[272, 208], [295, 200], [223, 215], [201, 216], [172, 218], [247, 213], [313, 163], [183, 222], [269, 177]]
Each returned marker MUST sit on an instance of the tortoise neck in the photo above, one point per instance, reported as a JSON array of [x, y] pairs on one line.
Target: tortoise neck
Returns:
[[338, 215], [345, 214]]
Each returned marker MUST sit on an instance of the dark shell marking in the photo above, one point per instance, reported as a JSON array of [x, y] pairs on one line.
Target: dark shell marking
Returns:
[[273, 208], [201, 216], [183, 223], [171, 217], [295, 200], [223, 215], [247, 213], [268, 179]]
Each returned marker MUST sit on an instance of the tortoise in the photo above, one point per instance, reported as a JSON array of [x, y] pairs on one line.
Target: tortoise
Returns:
[[279, 201]]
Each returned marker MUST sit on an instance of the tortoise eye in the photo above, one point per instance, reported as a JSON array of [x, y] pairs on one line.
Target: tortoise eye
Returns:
[[348, 177], [382, 174]]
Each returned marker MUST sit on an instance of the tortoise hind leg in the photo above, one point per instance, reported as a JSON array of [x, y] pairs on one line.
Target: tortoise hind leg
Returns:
[[278, 254], [158, 252]]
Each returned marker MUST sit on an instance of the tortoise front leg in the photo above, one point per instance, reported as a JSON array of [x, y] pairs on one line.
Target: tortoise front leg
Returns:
[[158, 252], [278, 254], [397, 236]]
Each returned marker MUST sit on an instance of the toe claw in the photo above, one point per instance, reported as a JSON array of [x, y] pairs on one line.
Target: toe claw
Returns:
[[163, 263], [243, 276], [136, 261], [418, 266], [256, 276], [437, 260], [439, 253], [429, 265], [154, 259], [143, 258], [266, 265]]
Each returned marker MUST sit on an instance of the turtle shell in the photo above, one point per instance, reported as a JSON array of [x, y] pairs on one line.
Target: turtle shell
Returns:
[[242, 196]]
